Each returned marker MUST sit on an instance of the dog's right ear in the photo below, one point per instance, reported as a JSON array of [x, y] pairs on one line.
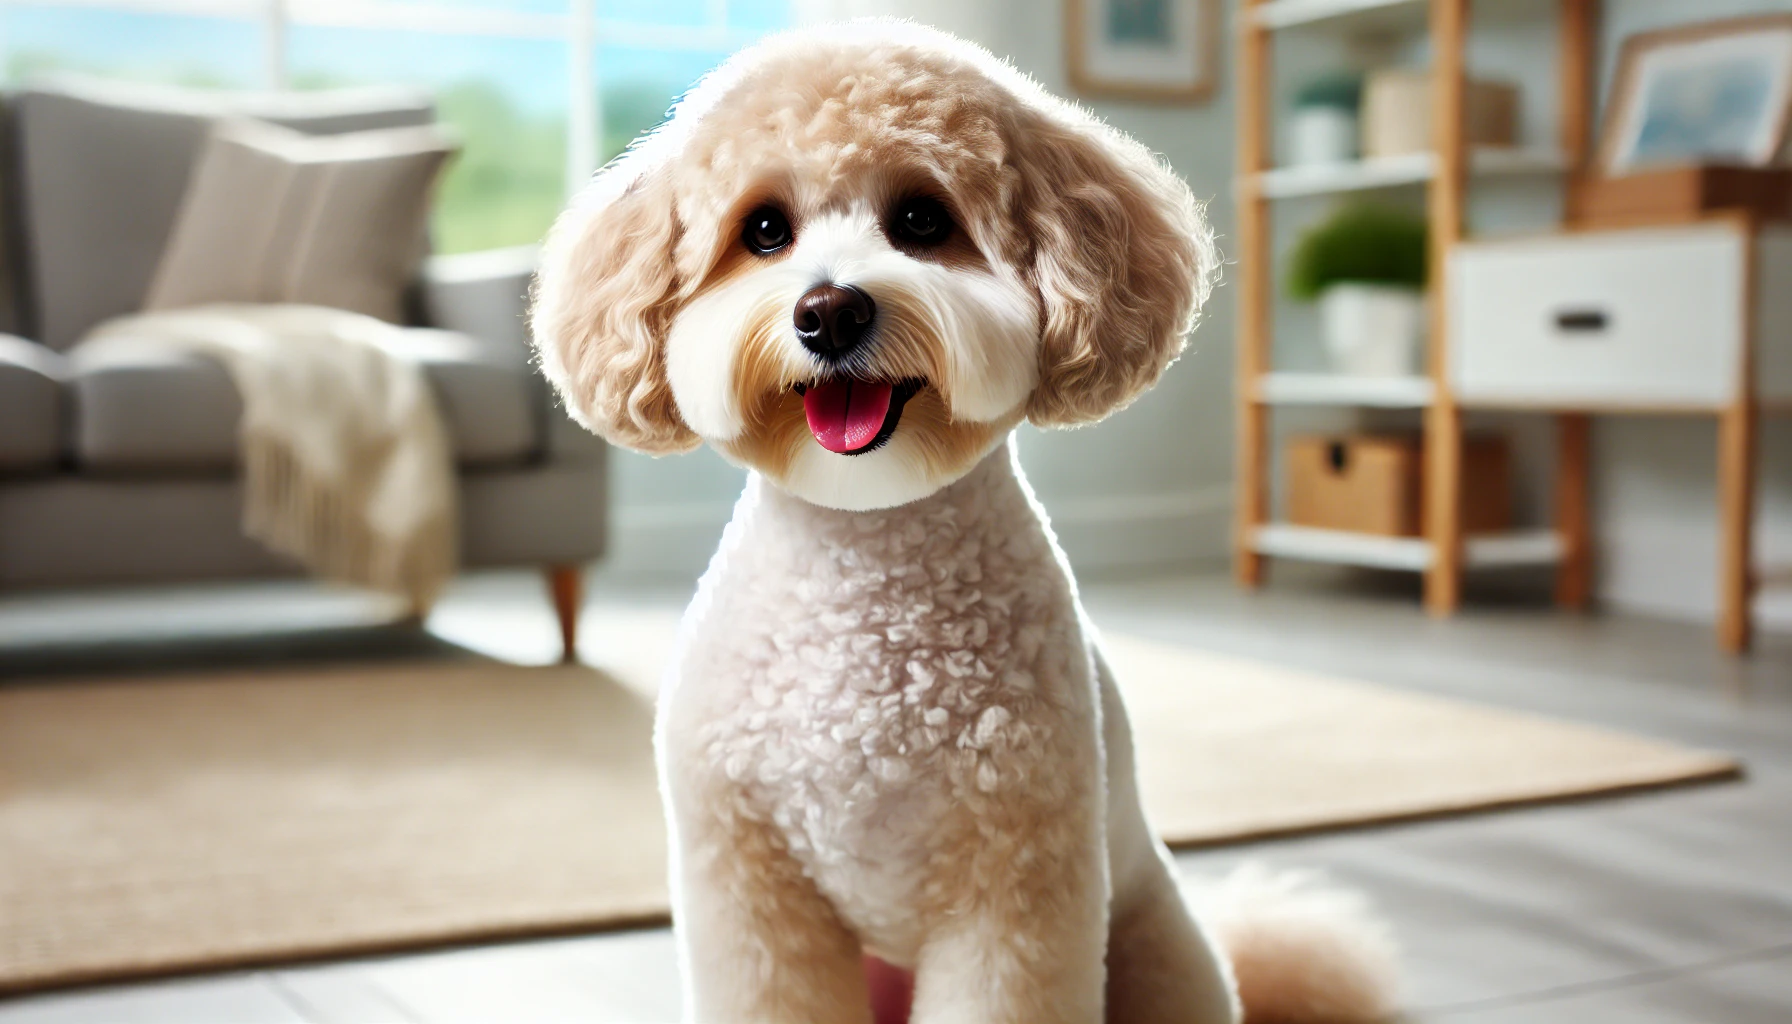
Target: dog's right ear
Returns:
[[604, 300]]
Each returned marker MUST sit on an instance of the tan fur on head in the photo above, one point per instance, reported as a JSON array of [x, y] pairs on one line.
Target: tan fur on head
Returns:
[[603, 302], [1077, 266]]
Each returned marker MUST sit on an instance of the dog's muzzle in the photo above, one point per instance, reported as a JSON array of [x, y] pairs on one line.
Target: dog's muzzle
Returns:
[[848, 414]]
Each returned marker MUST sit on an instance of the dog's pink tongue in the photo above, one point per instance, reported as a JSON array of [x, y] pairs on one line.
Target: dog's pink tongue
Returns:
[[845, 414]]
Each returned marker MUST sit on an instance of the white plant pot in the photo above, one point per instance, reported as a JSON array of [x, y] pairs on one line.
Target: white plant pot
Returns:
[[1322, 135], [1373, 330]]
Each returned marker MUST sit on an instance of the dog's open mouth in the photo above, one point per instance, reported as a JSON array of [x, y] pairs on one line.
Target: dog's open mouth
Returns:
[[849, 416]]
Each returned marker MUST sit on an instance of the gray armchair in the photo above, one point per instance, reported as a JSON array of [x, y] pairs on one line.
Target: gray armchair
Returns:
[[123, 469]]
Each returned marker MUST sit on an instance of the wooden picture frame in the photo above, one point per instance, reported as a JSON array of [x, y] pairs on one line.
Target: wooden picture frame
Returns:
[[1153, 51], [1633, 138]]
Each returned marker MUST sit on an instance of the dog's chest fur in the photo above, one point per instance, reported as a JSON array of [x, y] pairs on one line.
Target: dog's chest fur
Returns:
[[867, 681]]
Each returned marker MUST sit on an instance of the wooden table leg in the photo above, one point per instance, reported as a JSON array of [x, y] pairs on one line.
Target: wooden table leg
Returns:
[[1255, 294], [1253, 492], [1443, 507], [1574, 516], [1446, 205], [1736, 511], [566, 583]]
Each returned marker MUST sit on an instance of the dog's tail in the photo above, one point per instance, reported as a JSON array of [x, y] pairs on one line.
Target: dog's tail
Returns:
[[1303, 951]]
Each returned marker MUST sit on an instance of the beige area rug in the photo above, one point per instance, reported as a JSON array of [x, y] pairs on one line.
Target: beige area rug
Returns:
[[168, 824]]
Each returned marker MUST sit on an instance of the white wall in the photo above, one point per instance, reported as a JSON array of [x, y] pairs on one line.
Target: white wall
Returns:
[[1150, 486]]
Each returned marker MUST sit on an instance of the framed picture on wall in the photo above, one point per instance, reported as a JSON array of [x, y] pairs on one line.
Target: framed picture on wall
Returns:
[[1162, 51], [1713, 93]]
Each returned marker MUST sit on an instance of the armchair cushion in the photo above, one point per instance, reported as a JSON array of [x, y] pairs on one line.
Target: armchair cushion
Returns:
[[492, 401], [274, 215], [484, 294], [144, 410], [31, 406]]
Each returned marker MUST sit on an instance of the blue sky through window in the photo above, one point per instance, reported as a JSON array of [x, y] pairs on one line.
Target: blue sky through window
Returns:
[[163, 47]]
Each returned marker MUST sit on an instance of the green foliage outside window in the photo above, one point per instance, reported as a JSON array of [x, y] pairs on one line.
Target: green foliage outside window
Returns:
[[506, 186], [23, 65]]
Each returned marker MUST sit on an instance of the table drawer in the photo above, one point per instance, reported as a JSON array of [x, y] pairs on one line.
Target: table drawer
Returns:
[[1615, 318]]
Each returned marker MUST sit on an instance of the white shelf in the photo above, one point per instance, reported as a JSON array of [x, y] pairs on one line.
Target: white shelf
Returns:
[[1282, 540], [1343, 389], [1288, 13], [1395, 171]]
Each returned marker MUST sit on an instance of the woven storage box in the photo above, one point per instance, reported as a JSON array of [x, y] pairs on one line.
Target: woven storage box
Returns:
[[1374, 483]]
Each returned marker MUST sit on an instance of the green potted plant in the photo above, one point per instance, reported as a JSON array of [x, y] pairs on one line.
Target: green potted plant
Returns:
[[1323, 126], [1366, 266]]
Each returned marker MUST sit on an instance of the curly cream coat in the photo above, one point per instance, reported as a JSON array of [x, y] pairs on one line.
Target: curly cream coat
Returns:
[[889, 730]]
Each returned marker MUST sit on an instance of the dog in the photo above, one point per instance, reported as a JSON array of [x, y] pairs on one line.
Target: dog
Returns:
[[853, 260]]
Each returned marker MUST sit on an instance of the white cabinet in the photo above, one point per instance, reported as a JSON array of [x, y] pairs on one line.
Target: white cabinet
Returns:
[[1647, 318], [1689, 318]]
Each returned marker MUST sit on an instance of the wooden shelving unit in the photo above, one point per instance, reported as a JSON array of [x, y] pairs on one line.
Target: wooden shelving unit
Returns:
[[1444, 553]]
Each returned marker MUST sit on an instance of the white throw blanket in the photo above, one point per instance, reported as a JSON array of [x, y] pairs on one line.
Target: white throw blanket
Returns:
[[346, 463]]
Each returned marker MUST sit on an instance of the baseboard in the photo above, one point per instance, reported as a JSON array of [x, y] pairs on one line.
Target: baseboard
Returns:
[[1098, 533]]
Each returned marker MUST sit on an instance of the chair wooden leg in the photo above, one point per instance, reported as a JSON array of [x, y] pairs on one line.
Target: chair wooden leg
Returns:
[[567, 585]]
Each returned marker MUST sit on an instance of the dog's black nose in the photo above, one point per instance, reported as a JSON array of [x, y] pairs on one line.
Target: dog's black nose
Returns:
[[831, 319]]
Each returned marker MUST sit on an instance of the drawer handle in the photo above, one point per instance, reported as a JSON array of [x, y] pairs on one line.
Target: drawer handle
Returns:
[[1581, 321]]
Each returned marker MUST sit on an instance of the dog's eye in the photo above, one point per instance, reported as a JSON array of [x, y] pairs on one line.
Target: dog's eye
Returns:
[[767, 230], [922, 221]]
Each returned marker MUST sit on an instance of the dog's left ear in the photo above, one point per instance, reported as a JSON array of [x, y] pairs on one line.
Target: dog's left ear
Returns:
[[1122, 260]]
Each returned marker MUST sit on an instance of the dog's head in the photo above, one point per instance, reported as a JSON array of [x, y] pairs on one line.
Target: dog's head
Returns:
[[856, 257]]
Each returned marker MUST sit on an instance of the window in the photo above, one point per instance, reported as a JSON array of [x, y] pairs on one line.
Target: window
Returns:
[[539, 91], [132, 42]]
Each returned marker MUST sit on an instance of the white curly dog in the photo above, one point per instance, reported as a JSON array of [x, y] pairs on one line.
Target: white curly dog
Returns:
[[853, 260]]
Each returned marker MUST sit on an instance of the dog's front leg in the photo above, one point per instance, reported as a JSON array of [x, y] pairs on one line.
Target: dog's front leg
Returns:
[[760, 944], [1029, 944]]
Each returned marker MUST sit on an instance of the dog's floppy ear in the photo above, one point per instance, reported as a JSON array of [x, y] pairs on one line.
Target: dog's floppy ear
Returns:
[[604, 299], [1122, 260]]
